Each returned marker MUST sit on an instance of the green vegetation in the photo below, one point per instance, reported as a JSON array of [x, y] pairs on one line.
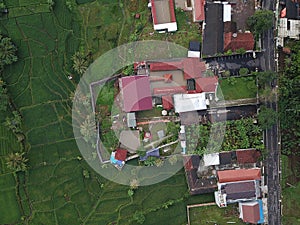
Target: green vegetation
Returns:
[[243, 71], [289, 106], [261, 21], [239, 134], [7, 52], [237, 88], [214, 215], [267, 117]]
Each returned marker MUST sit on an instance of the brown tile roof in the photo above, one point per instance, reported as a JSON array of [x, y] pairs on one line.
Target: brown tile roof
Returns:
[[225, 176], [251, 213], [242, 40], [247, 156]]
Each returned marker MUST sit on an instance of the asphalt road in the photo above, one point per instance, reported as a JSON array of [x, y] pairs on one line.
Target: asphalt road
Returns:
[[271, 135]]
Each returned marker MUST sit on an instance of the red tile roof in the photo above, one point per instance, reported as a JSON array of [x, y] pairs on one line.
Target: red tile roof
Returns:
[[206, 84], [167, 102], [247, 156], [225, 176], [283, 13], [199, 14], [193, 68], [251, 213], [165, 66], [169, 90], [242, 40], [121, 154], [171, 11], [136, 93]]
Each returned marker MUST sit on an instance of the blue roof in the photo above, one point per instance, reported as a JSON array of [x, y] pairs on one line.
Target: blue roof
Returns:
[[153, 152], [261, 211], [115, 161]]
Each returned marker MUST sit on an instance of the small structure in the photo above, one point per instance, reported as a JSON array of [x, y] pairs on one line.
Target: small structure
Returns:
[[252, 212], [194, 49], [163, 15], [131, 120], [130, 140], [167, 102], [154, 153], [189, 102], [211, 159], [135, 93], [118, 157], [245, 156]]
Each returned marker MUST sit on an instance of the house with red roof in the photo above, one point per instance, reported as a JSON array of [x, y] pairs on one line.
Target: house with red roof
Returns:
[[237, 186], [235, 41], [163, 15], [198, 10], [135, 93], [252, 212], [225, 176]]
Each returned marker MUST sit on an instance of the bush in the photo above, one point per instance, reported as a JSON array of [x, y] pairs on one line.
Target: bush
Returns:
[[243, 71]]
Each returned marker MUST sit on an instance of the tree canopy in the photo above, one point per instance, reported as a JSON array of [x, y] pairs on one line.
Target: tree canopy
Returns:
[[266, 117], [289, 104], [8, 51], [260, 21]]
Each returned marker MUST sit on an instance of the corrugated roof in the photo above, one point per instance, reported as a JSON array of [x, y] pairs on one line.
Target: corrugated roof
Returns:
[[136, 93], [225, 176], [198, 10], [239, 190], [206, 84]]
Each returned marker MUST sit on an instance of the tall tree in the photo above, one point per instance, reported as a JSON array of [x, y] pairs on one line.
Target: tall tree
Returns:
[[260, 21], [266, 117], [8, 51], [80, 62], [17, 161]]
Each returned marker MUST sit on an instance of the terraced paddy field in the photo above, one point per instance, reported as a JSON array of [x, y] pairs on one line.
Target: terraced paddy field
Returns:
[[54, 189]]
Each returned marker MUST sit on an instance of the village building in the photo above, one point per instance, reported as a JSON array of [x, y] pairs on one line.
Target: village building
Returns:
[[163, 15]]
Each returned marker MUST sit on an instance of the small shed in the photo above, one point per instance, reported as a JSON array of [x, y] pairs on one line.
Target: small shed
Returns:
[[131, 119]]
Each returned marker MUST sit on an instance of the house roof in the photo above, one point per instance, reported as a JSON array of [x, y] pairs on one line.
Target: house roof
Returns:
[[225, 176], [169, 90], [292, 9], [136, 93], [121, 154], [247, 156], [225, 158], [191, 162], [189, 102], [194, 46], [235, 41], [153, 152], [213, 39], [193, 68], [165, 66], [250, 213], [206, 84], [198, 10], [211, 159], [239, 190], [167, 102], [163, 11]]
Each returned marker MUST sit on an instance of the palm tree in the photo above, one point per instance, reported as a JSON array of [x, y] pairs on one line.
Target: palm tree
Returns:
[[134, 184], [17, 161], [7, 51], [80, 63], [88, 129]]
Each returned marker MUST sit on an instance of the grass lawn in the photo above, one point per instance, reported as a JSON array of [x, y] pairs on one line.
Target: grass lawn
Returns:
[[290, 190], [215, 215], [237, 88]]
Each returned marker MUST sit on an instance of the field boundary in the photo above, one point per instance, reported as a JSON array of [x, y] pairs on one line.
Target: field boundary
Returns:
[[188, 207]]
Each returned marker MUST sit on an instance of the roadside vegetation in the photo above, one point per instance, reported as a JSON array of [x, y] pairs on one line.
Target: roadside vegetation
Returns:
[[239, 134]]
